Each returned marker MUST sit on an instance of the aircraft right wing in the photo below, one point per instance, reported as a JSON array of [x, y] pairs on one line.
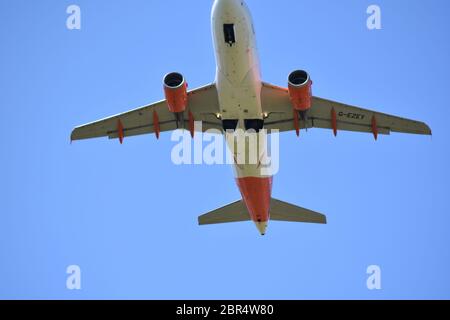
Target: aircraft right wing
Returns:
[[276, 103], [202, 102]]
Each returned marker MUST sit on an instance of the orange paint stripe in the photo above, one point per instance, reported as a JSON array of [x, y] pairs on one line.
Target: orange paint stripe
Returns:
[[334, 121], [191, 124], [256, 193], [156, 124], [374, 127], [120, 131], [296, 123]]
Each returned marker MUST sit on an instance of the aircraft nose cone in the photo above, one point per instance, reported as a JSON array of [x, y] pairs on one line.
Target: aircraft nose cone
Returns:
[[262, 227], [228, 6], [230, 1]]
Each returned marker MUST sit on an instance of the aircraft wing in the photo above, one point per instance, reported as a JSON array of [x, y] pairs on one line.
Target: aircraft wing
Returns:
[[202, 102], [329, 114]]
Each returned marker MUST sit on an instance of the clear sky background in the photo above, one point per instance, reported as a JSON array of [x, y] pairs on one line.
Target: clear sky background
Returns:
[[128, 217]]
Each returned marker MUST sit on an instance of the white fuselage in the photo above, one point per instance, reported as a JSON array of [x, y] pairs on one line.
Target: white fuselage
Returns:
[[238, 77]]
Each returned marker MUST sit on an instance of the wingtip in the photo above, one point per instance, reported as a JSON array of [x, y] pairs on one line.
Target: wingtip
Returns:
[[427, 129]]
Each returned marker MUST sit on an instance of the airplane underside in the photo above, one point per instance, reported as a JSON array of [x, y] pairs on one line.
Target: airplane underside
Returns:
[[240, 99]]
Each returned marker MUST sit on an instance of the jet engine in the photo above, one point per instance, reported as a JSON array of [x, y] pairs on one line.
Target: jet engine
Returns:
[[299, 85], [175, 90]]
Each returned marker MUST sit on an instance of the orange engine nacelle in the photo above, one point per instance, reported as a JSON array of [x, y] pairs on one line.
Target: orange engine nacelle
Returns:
[[300, 92], [175, 89]]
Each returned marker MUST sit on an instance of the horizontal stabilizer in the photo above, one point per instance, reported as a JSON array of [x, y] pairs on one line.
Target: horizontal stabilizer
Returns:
[[234, 212], [279, 211], [283, 211]]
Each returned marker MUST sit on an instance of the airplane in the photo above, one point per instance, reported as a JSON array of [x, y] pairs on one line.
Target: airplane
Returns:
[[239, 98]]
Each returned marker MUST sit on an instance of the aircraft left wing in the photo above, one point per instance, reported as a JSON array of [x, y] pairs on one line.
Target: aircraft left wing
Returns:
[[202, 102], [329, 114]]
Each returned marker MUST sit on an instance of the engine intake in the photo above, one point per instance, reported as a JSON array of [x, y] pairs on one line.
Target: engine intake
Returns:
[[299, 85], [175, 89]]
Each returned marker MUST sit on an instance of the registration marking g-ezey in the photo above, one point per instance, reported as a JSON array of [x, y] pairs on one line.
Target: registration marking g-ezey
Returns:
[[351, 115]]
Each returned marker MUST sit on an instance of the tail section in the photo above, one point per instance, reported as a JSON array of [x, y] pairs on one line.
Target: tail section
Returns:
[[279, 211], [234, 212], [283, 211]]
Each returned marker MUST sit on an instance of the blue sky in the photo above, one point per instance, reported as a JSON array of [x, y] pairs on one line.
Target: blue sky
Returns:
[[127, 216]]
